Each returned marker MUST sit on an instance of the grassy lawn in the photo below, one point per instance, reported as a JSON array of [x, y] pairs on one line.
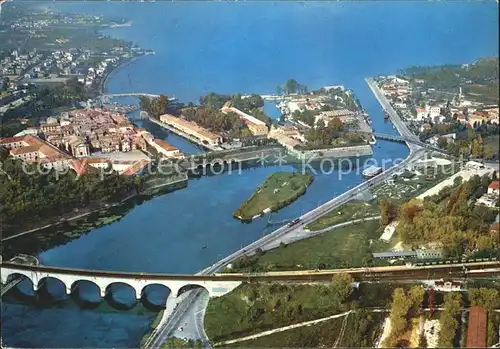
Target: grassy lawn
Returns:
[[253, 308], [349, 211], [344, 247], [278, 190]]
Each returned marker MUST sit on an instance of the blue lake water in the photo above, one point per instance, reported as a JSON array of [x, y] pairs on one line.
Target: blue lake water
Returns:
[[237, 47]]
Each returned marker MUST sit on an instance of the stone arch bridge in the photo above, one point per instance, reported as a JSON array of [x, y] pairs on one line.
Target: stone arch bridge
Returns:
[[70, 278]]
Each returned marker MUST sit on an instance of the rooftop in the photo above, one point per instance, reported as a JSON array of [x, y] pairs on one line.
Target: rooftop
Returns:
[[192, 126], [165, 145], [476, 331], [494, 185]]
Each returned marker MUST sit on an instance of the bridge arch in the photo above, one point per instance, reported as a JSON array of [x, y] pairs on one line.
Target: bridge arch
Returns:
[[80, 287], [15, 279], [47, 283], [117, 294], [9, 277], [190, 287], [155, 295]]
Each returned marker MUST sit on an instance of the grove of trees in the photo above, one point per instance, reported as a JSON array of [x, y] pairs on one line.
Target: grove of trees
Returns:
[[215, 120], [154, 106], [291, 86], [28, 195], [448, 319], [405, 305], [450, 219]]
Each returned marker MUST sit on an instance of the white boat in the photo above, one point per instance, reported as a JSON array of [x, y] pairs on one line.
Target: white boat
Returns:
[[371, 171]]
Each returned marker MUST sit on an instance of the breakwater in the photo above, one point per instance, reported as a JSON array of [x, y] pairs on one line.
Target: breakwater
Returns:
[[334, 153]]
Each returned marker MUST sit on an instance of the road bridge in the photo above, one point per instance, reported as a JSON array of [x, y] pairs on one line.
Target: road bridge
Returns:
[[163, 331], [412, 140]]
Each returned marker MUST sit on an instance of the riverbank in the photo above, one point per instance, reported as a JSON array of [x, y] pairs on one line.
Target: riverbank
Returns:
[[149, 192], [77, 214], [278, 190]]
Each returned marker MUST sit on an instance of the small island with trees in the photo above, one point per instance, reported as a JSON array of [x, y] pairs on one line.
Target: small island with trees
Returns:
[[278, 190]]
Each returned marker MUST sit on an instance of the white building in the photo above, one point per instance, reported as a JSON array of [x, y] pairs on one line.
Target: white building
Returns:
[[420, 114], [494, 188], [432, 111]]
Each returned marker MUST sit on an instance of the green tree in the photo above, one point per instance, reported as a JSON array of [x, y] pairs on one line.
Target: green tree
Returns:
[[448, 320], [386, 212], [341, 286], [488, 298]]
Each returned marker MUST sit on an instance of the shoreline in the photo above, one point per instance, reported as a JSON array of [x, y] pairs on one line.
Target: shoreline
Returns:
[[151, 192], [81, 215], [102, 88]]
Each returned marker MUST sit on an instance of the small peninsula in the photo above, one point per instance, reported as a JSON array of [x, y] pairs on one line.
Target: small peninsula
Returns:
[[278, 190]]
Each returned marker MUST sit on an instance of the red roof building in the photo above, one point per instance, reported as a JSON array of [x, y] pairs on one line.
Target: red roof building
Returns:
[[494, 188], [495, 185], [476, 332]]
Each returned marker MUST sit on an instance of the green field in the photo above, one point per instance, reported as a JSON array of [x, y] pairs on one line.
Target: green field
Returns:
[[322, 334], [344, 247], [362, 330], [277, 191], [349, 211], [253, 308]]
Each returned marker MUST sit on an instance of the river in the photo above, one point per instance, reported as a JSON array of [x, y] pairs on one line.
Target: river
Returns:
[[234, 47]]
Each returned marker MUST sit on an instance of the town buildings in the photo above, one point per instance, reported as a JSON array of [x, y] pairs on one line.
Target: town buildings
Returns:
[[288, 136], [32, 149], [191, 129], [256, 126], [344, 115], [492, 196], [89, 138]]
